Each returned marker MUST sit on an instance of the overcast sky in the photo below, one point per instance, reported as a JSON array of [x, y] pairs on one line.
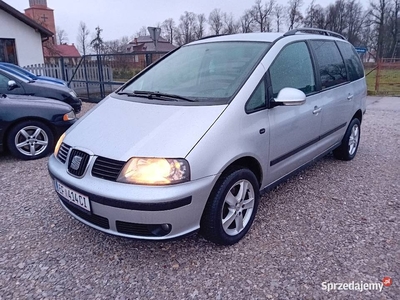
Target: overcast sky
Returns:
[[120, 18]]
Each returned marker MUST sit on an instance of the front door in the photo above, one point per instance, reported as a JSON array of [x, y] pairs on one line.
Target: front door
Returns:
[[294, 130]]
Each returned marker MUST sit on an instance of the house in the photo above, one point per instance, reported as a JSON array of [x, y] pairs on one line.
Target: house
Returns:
[[21, 38], [146, 44], [69, 53]]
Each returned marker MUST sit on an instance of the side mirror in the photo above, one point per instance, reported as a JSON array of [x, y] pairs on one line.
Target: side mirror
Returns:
[[291, 97], [12, 85]]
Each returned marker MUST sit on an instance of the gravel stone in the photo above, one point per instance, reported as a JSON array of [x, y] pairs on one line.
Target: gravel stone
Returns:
[[334, 222]]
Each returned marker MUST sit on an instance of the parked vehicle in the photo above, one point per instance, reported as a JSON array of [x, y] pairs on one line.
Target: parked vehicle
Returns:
[[189, 142], [29, 126], [14, 69], [18, 84]]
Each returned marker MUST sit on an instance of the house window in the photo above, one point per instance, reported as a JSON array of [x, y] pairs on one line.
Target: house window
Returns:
[[8, 51]]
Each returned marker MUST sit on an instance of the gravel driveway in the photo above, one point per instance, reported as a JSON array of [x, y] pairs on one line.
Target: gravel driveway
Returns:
[[336, 222]]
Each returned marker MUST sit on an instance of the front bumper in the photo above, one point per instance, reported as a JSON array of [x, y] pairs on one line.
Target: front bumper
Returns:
[[136, 211]]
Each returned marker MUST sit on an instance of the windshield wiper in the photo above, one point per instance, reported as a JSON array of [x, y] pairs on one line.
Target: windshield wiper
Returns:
[[151, 95]]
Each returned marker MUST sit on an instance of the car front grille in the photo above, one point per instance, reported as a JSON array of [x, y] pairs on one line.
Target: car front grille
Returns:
[[106, 168], [77, 163], [63, 152], [91, 218]]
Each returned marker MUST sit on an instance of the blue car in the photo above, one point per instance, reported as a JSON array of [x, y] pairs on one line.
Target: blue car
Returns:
[[17, 70]]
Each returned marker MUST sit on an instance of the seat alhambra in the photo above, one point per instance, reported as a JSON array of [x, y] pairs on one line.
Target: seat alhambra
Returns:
[[190, 142]]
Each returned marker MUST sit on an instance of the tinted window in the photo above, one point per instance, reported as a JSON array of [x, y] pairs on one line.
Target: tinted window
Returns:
[[331, 65], [293, 68], [352, 60], [257, 99]]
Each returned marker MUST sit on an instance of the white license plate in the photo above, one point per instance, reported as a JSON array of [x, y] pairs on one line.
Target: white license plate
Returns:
[[72, 196]]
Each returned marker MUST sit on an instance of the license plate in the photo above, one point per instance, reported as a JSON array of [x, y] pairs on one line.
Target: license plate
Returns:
[[72, 196]]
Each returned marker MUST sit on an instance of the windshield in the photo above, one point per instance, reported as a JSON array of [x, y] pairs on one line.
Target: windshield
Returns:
[[210, 72]]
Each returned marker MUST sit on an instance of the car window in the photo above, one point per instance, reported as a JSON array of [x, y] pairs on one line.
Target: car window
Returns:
[[257, 99], [3, 82], [293, 68], [330, 63], [352, 61]]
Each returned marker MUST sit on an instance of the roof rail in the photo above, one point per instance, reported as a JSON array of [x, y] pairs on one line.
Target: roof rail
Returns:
[[315, 31]]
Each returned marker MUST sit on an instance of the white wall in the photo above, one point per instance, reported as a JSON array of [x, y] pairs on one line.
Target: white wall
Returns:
[[28, 42]]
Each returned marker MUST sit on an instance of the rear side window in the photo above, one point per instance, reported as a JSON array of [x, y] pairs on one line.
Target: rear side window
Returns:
[[330, 63], [352, 61], [293, 68]]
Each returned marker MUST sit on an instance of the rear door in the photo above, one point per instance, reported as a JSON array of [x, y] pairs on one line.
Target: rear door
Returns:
[[294, 130], [336, 96]]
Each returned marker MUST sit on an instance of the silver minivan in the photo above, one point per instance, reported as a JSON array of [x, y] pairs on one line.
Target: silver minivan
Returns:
[[189, 143]]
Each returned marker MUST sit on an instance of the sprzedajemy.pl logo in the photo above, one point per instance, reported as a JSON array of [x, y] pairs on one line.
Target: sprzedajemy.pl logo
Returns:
[[356, 286]]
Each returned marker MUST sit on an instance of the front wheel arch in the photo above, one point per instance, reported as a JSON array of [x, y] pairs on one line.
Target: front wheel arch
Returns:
[[231, 207]]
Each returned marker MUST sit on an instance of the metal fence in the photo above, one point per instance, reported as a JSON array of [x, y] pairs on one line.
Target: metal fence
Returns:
[[95, 76], [383, 77]]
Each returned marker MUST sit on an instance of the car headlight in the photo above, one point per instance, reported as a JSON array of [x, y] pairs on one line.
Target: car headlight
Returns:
[[155, 171], [69, 116], [60, 140], [73, 94]]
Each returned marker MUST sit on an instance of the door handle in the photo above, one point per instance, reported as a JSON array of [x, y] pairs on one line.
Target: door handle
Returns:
[[316, 110], [350, 97]]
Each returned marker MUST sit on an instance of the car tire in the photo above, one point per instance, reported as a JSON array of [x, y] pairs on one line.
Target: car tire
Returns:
[[348, 149], [30, 140], [230, 212]]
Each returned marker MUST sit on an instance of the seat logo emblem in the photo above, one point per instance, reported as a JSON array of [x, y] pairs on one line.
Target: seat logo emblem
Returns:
[[76, 162]]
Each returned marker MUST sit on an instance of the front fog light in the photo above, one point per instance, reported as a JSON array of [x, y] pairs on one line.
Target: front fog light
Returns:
[[155, 171]]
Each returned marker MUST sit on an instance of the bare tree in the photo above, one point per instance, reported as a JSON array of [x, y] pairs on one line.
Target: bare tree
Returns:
[[62, 36], [169, 28], [262, 14], [116, 46], [279, 15], [336, 16], [200, 26], [394, 24], [355, 21], [294, 15], [246, 22], [215, 20], [141, 32], [379, 12], [83, 34], [186, 28], [230, 24], [309, 19]]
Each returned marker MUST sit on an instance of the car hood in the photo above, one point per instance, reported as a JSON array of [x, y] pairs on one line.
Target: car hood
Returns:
[[120, 129], [32, 101], [50, 85]]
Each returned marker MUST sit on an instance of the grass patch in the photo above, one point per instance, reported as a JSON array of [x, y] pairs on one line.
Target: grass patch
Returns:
[[389, 83]]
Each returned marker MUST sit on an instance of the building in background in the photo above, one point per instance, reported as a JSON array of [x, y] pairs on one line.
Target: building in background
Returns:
[[42, 14], [21, 38]]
